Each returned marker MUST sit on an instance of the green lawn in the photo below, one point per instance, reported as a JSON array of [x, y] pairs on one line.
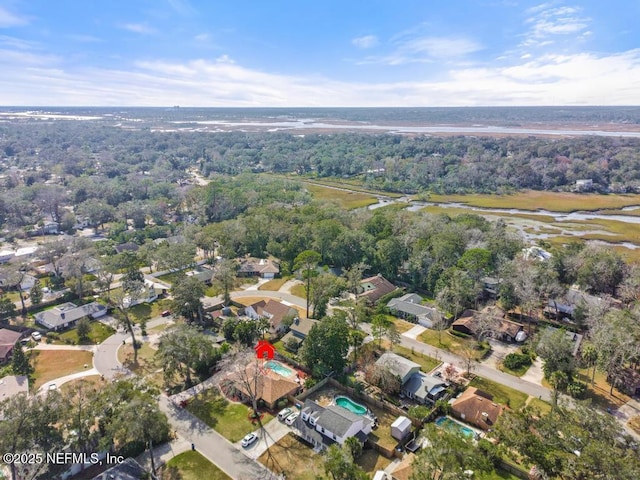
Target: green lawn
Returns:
[[540, 405], [501, 393], [498, 474], [299, 291], [426, 362], [274, 285], [99, 333], [229, 419], [193, 466], [451, 343]]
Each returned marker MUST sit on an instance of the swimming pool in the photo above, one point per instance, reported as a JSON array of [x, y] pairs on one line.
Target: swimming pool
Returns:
[[453, 426], [348, 404], [279, 368]]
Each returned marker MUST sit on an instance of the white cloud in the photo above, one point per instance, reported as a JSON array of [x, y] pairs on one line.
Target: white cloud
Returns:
[[83, 38], [366, 41], [8, 19], [141, 28], [547, 22], [202, 37], [580, 79], [426, 50]]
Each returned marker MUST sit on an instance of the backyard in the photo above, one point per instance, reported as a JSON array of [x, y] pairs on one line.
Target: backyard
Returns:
[[230, 419], [295, 458], [52, 364]]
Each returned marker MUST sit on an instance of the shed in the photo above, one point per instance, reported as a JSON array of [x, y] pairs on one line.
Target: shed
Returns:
[[401, 428]]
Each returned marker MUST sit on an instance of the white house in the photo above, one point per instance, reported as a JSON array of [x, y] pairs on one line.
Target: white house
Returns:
[[399, 366], [67, 315], [322, 426]]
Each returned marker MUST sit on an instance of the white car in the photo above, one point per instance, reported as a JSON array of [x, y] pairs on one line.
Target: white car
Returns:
[[37, 336], [292, 418], [249, 439], [284, 413]]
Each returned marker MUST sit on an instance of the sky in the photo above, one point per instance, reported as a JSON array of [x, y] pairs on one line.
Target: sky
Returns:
[[322, 53]]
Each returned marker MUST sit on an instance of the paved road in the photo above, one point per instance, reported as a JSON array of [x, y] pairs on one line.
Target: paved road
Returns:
[[485, 371], [268, 436], [212, 445], [208, 442]]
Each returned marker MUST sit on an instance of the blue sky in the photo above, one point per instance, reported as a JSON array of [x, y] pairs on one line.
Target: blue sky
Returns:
[[280, 53]]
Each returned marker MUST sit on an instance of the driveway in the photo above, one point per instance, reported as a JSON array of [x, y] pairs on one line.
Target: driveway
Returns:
[[217, 449], [414, 332], [486, 371], [267, 436]]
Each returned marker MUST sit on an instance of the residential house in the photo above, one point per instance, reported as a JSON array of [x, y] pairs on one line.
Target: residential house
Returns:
[[574, 338], [201, 273], [323, 426], [129, 469], [584, 185], [424, 388], [628, 381], [8, 339], [374, 288], [477, 408], [415, 384], [12, 385], [404, 469], [298, 331], [149, 294], [490, 322], [6, 255], [127, 247], [410, 308], [269, 386], [572, 301], [535, 253], [401, 367], [67, 315], [257, 267], [490, 287], [272, 310]]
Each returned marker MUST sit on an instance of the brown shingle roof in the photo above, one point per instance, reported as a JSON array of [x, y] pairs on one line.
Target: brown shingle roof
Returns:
[[8, 339], [270, 386], [373, 288], [477, 408]]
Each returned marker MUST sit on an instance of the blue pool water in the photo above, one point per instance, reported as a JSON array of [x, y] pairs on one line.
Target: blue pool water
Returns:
[[350, 405], [279, 368], [453, 426]]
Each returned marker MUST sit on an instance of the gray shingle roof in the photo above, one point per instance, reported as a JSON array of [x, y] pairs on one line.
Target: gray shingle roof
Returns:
[[338, 420], [420, 385], [396, 364], [66, 313]]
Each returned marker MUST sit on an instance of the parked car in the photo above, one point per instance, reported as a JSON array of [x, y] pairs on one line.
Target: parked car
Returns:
[[284, 413], [166, 313], [37, 336], [249, 439], [291, 418]]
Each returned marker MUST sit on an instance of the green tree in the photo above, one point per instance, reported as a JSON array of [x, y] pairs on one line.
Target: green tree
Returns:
[[325, 348], [187, 293], [36, 293], [133, 288], [184, 350], [20, 363], [246, 332], [589, 354], [601, 269], [339, 463], [307, 262], [448, 456], [379, 326], [224, 276], [476, 262], [83, 329], [574, 443], [7, 308], [31, 424], [556, 349], [455, 291]]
